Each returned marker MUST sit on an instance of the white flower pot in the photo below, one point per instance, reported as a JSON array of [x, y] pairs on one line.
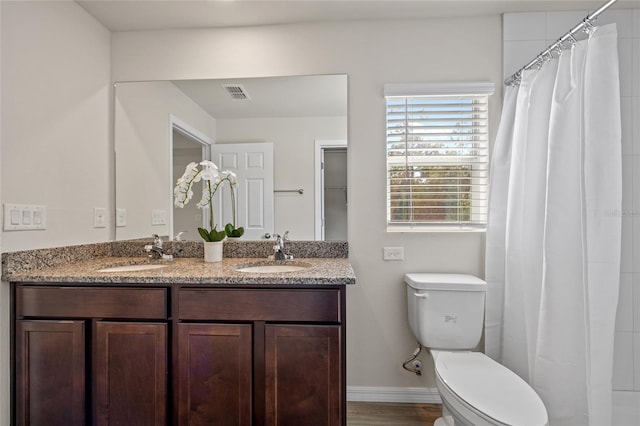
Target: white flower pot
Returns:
[[213, 251]]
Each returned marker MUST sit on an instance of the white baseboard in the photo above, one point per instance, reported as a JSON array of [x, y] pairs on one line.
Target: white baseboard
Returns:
[[389, 394]]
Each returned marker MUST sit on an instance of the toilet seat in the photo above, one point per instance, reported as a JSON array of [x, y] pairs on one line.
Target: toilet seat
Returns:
[[487, 389]]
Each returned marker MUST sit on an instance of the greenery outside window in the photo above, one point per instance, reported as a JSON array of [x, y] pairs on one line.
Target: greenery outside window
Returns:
[[437, 156]]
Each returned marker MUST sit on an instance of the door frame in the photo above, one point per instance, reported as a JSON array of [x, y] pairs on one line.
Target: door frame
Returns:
[[196, 135], [320, 146]]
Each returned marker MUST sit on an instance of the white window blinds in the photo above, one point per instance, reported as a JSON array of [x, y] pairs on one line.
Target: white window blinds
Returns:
[[437, 157]]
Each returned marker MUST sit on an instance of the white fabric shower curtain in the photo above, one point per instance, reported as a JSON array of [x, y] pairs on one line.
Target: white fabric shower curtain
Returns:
[[553, 238]]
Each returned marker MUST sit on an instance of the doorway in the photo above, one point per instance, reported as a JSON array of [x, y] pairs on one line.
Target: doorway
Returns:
[[187, 145], [331, 190]]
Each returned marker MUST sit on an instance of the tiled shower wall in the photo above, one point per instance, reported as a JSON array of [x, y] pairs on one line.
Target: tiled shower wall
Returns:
[[524, 36]]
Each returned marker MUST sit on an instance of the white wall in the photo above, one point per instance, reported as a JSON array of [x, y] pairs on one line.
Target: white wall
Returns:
[[5, 355], [142, 134], [525, 35], [372, 54], [293, 150], [55, 132], [56, 120]]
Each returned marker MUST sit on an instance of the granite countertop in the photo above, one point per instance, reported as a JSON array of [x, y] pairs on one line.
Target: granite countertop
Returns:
[[190, 271]]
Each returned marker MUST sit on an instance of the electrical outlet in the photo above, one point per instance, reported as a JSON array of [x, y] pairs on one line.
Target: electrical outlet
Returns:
[[393, 253], [121, 217], [99, 217], [158, 217]]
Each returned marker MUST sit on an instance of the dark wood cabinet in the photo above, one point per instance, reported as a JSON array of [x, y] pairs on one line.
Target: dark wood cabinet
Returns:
[[152, 355], [302, 375], [214, 374], [90, 355], [129, 373], [50, 373], [292, 340]]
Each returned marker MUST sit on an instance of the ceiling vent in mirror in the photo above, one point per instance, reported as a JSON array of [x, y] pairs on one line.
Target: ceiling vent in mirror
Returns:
[[236, 91]]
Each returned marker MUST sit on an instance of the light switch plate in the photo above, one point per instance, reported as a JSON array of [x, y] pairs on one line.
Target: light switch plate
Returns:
[[24, 217]]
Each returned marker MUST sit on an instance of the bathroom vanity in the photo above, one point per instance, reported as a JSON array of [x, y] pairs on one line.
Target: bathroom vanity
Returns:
[[190, 343]]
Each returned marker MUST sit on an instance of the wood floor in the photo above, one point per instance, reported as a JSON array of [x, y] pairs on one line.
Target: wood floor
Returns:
[[391, 414]]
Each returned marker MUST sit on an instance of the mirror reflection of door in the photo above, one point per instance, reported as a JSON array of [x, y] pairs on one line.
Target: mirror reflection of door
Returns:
[[253, 165], [187, 149], [335, 194], [331, 190]]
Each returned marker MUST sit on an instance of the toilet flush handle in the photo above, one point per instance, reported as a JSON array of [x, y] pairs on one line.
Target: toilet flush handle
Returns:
[[421, 295]]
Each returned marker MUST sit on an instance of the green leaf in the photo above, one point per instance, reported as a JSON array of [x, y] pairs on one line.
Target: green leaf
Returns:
[[233, 232], [204, 234], [215, 235]]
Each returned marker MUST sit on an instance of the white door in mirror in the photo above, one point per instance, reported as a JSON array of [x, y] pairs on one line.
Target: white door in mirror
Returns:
[[253, 165]]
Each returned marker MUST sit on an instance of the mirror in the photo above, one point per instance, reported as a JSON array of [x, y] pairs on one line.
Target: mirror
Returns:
[[160, 126]]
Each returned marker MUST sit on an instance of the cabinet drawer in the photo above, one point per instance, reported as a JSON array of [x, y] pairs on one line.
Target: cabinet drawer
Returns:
[[88, 302], [260, 305]]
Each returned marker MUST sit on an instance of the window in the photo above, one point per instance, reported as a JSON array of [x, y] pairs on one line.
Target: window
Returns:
[[437, 155]]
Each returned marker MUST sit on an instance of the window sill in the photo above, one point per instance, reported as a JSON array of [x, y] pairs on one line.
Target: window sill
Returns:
[[436, 228]]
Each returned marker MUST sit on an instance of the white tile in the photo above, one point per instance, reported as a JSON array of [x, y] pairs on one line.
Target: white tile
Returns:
[[626, 107], [627, 185], [558, 23], [517, 54], [626, 260], [623, 19], [636, 187], [524, 26], [624, 314], [636, 22], [623, 361], [636, 357], [636, 305], [636, 240], [626, 409], [635, 66], [635, 126], [626, 66]]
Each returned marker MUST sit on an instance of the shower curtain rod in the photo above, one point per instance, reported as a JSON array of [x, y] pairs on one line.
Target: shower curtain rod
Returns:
[[586, 23]]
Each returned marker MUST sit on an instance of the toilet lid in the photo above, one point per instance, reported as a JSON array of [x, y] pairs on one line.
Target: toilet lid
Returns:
[[490, 388]]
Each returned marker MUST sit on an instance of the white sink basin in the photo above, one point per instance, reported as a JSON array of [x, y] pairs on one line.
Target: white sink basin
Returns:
[[272, 267], [132, 268]]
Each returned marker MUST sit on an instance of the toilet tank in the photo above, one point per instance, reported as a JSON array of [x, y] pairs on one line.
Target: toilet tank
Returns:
[[446, 311]]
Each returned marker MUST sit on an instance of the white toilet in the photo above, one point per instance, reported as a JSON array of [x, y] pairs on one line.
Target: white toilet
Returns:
[[446, 313]]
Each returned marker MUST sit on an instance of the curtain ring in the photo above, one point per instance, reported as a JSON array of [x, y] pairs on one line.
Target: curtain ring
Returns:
[[539, 62], [516, 78], [588, 26]]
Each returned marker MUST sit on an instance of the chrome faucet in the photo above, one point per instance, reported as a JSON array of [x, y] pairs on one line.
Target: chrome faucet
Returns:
[[155, 250], [278, 248]]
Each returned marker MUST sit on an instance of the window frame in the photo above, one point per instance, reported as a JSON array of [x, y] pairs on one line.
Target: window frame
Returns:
[[479, 169]]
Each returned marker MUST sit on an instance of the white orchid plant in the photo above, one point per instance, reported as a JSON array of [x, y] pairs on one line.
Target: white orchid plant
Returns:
[[208, 172]]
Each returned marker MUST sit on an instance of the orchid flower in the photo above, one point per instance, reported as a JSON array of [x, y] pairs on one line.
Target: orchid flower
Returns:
[[212, 181]]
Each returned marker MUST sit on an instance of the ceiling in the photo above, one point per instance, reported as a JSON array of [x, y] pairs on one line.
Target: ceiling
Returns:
[[300, 96], [136, 15]]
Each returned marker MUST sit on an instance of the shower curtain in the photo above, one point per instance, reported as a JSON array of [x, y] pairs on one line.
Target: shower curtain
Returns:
[[553, 237]]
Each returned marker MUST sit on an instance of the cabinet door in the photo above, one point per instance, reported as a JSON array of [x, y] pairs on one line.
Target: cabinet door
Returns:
[[214, 374], [130, 373], [50, 373], [303, 377]]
